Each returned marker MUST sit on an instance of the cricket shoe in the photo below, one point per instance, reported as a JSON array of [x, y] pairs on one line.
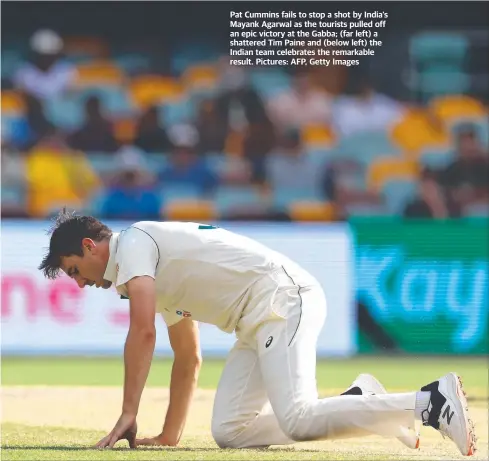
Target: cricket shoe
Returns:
[[366, 384], [448, 413]]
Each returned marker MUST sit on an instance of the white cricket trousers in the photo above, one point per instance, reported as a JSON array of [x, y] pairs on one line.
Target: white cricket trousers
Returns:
[[267, 394]]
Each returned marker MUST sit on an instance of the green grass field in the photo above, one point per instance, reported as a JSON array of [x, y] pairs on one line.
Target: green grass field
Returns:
[[58, 408]]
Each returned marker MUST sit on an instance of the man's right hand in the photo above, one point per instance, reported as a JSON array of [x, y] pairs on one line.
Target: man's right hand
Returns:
[[158, 441]]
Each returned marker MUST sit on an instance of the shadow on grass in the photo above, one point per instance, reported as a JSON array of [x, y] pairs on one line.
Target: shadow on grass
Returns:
[[151, 449]]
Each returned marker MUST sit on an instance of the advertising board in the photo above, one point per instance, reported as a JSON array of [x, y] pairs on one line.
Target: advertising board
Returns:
[[422, 286], [56, 317]]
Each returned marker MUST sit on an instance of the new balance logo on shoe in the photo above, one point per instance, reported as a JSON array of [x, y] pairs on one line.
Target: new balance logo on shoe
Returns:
[[447, 415]]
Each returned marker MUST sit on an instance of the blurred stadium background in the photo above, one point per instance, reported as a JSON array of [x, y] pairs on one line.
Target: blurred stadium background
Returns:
[[131, 113]]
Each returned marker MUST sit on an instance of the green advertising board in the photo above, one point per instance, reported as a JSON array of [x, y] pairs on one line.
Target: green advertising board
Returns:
[[422, 286]]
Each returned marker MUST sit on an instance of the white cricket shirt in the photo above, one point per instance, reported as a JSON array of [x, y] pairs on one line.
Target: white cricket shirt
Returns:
[[209, 274]]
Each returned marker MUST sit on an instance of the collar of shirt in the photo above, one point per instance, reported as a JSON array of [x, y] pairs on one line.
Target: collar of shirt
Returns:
[[111, 269]]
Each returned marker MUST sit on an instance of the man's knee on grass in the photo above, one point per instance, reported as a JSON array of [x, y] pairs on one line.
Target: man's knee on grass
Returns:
[[229, 438], [296, 425], [228, 434], [225, 433]]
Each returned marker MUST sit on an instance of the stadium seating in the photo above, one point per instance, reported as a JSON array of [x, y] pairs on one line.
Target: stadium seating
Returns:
[[269, 82], [11, 62], [190, 210], [216, 161], [128, 83], [436, 158], [442, 81], [282, 197], [146, 90], [456, 108], [365, 209], [318, 136], [322, 155], [173, 192], [229, 198], [12, 103], [200, 77], [438, 63], [185, 55], [101, 162], [366, 146], [427, 47], [114, 99], [94, 205], [482, 128], [132, 64], [397, 193], [311, 211], [13, 196], [65, 111], [171, 113], [383, 170], [419, 130], [157, 161], [99, 73]]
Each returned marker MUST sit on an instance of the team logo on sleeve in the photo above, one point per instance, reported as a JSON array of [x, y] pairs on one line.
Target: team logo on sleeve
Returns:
[[184, 313]]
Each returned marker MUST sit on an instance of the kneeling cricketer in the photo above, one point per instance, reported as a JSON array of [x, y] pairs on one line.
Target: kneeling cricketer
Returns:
[[267, 394]]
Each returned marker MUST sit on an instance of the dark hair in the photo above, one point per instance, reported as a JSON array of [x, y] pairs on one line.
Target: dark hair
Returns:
[[92, 104], [67, 232]]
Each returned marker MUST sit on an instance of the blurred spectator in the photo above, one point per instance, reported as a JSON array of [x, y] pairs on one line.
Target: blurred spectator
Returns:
[[129, 157], [238, 104], [343, 182], [366, 110], [13, 181], [212, 131], [340, 178], [466, 178], [430, 202], [331, 79], [132, 194], [290, 168], [303, 104], [186, 167], [97, 134], [235, 170], [27, 131], [259, 140], [46, 76], [13, 166], [150, 135], [57, 176]]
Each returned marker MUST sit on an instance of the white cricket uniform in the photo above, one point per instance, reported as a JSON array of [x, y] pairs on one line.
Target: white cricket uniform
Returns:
[[267, 394]]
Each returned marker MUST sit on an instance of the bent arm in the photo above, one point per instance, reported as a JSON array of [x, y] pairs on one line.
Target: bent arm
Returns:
[[140, 342], [184, 340]]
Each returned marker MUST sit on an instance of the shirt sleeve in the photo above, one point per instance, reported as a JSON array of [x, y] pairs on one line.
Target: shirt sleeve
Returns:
[[137, 256]]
